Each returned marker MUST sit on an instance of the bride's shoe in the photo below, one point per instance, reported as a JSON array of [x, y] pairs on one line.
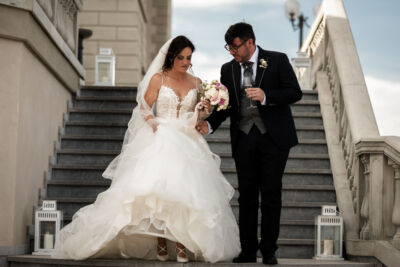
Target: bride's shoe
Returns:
[[181, 255], [161, 249]]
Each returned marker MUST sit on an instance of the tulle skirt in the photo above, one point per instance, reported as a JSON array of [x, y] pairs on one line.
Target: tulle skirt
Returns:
[[165, 184]]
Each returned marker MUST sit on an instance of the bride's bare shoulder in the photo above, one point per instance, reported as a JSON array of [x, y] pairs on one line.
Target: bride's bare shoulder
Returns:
[[156, 81], [156, 77], [196, 80]]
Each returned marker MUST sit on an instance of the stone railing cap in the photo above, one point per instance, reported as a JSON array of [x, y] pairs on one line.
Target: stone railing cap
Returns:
[[389, 145]]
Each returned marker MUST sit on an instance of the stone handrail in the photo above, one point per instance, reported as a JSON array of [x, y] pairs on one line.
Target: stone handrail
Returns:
[[365, 166]]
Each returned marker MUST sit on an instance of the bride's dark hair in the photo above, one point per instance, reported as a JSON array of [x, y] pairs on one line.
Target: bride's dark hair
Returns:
[[177, 45]]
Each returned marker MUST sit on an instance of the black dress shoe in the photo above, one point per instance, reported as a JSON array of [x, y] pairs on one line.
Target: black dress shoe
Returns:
[[242, 258], [270, 260]]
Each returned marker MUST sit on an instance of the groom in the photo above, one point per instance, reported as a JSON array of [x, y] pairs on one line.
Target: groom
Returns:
[[262, 133]]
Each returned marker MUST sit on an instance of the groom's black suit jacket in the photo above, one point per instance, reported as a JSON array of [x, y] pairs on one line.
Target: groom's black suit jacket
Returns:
[[281, 88]]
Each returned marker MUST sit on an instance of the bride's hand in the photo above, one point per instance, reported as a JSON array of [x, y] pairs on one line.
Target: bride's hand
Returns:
[[207, 106], [153, 124]]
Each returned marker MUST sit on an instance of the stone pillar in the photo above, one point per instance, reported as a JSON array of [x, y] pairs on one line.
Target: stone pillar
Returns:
[[376, 181], [364, 212], [396, 206]]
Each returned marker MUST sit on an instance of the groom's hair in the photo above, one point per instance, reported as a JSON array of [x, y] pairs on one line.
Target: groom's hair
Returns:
[[177, 45], [242, 30]]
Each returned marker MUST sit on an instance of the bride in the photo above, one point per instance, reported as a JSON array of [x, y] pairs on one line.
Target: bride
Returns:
[[167, 186]]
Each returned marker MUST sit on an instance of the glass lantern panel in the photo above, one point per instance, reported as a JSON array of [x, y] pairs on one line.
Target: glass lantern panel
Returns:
[[47, 233], [104, 72], [330, 240], [303, 76]]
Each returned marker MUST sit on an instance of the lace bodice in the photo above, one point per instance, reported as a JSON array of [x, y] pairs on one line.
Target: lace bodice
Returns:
[[169, 105]]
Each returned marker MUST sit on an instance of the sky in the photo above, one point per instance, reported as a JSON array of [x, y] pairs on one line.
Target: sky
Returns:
[[374, 24]]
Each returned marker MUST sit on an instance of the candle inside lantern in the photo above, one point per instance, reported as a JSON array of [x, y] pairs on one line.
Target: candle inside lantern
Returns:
[[328, 247], [48, 241]]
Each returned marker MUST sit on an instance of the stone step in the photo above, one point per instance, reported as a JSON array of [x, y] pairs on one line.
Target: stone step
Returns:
[[114, 115], [109, 102], [307, 118], [105, 91], [46, 261], [309, 95], [94, 128], [83, 156], [293, 210], [217, 144], [118, 128], [111, 142], [306, 106], [290, 193], [128, 102], [306, 146], [290, 210], [123, 115], [93, 173]]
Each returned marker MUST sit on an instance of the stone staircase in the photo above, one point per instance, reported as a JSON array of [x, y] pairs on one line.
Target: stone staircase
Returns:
[[93, 133]]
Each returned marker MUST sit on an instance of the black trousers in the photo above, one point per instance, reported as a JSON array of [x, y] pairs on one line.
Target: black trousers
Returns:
[[260, 165]]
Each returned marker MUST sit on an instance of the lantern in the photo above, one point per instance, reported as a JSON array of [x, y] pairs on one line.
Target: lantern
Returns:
[[328, 235], [48, 222], [105, 67], [302, 67]]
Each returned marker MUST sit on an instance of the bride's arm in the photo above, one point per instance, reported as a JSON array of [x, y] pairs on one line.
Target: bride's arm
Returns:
[[150, 98]]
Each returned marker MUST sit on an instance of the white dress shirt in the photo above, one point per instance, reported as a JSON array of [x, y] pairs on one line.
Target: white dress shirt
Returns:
[[253, 59]]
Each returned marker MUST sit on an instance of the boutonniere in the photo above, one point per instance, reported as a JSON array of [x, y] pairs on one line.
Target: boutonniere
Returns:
[[263, 63]]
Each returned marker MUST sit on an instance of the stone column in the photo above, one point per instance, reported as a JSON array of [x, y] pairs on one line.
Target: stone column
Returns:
[[365, 231], [396, 206], [376, 181]]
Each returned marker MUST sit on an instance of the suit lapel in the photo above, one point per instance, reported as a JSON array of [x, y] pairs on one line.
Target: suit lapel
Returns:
[[260, 71], [236, 80]]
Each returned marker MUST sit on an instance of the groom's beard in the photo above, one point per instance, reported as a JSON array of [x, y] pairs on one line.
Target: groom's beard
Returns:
[[244, 56]]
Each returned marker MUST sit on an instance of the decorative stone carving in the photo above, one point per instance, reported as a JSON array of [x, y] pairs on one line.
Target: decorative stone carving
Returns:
[[65, 21], [364, 212], [317, 38]]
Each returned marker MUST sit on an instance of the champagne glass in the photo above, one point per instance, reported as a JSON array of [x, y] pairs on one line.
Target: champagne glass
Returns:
[[247, 83]]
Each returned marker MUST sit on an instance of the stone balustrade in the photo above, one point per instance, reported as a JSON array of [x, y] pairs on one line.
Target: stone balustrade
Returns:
[[365, 165], [379, 188]]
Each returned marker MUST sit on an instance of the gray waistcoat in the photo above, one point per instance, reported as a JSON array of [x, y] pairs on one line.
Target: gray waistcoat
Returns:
[[249, 116]]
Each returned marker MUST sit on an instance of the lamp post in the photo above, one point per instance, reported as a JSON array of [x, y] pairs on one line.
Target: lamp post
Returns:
[[292, 10]]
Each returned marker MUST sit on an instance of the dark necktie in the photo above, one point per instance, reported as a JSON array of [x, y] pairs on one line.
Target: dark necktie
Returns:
[[248, 74]]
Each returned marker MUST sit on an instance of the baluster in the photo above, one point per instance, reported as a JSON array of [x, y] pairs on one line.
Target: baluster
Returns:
[[396, 204], [364, 212]]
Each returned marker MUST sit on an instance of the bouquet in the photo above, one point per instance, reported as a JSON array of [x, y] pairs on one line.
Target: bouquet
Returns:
[[216, 93]]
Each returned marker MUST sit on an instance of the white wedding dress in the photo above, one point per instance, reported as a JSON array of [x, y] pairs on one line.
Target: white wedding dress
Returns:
[[167, 184]]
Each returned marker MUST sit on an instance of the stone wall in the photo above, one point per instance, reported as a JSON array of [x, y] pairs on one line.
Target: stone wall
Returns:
[[134, 29], [32, 103], [39, 72]]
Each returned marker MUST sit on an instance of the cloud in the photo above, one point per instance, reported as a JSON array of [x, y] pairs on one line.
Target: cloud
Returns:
[[207, 66], [385, 95], [219, 3]]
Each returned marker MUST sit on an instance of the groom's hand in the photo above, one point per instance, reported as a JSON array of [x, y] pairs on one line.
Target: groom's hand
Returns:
[[255, 93], [202, 127]]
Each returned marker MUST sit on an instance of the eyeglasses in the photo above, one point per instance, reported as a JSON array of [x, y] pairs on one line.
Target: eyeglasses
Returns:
[[234, 49]]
